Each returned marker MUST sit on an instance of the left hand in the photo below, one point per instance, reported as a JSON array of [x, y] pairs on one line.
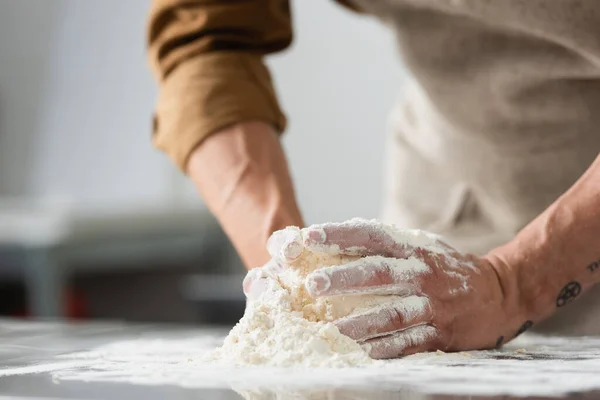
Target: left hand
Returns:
[[439, 298]]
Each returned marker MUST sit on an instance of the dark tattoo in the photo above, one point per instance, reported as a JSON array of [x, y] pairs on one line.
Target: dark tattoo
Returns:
[[594, 266], [568, 294], [524, 327], [499, 341]]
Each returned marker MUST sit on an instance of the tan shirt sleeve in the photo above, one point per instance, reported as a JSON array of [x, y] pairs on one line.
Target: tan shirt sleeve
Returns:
[[207, 58]]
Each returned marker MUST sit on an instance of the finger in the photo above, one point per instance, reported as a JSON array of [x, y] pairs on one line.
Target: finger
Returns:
[[286, 245], [369, 275], [354, 237], [397, 315], [369, 237], [412, 340]]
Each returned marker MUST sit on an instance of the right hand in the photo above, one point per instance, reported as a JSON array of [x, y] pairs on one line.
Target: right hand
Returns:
[[439, 299], [434, 296], [242, 174]]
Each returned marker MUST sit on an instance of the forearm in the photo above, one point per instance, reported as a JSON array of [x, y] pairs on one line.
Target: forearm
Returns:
[[557, 256], [242, 174]]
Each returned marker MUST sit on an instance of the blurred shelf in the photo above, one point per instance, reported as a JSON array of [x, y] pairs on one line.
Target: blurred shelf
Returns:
[[45, 244], [202, 288], [33, 224]]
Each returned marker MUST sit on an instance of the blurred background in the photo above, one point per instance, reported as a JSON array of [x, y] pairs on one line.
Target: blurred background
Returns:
[[96, 223]]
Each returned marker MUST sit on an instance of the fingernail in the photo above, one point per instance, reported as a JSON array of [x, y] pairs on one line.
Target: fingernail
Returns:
[[316, 235], [292, 249], [317, 283], [285, 245]]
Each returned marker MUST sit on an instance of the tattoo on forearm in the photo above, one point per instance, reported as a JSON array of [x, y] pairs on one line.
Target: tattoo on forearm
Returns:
[[594, 266], [524, 327], [499, 341], [568, 294]]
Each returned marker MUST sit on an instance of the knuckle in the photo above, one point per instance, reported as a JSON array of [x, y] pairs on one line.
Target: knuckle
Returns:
[[395, 316], [384, 271], [341, 277], [410, 340]]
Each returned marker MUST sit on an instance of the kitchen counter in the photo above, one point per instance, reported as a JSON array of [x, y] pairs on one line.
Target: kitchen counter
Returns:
[[48, 360]]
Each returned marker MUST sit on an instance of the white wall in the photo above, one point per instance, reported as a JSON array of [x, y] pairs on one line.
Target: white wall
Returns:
[[75, 111], [26, 37], [337, 85], [95, 138]]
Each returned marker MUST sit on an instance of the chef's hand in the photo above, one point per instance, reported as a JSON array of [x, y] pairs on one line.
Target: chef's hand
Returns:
[[439, 298]]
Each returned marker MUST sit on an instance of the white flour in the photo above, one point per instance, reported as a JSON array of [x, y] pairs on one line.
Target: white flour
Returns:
[[286, 327], [530, 366]]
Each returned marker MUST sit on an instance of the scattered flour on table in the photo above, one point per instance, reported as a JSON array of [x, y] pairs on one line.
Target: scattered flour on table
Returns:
[[550, 367], [286, 327]]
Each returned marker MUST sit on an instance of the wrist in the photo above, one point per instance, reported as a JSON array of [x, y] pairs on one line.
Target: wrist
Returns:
[[515, 305], [550, 256], [251, 216]]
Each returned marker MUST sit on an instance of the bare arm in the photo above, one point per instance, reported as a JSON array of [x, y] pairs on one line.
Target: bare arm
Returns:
[[557, 256], [207, 57], [242, 174]]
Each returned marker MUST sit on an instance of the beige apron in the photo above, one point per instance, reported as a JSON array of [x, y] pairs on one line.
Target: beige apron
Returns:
[[502, 116]]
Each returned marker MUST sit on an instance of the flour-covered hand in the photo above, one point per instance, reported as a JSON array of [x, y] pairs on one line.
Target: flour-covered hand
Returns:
[[439, 298]]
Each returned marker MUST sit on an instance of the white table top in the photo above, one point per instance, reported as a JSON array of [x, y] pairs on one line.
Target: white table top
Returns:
[[119, 360]]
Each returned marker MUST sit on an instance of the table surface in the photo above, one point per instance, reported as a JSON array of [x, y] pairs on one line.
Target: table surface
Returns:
[[48, 360]]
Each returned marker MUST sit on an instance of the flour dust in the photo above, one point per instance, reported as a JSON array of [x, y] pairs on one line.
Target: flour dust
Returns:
[[529, 366]]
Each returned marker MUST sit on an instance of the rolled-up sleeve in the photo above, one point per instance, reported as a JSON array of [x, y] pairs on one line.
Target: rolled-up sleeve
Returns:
[[207, 56]]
